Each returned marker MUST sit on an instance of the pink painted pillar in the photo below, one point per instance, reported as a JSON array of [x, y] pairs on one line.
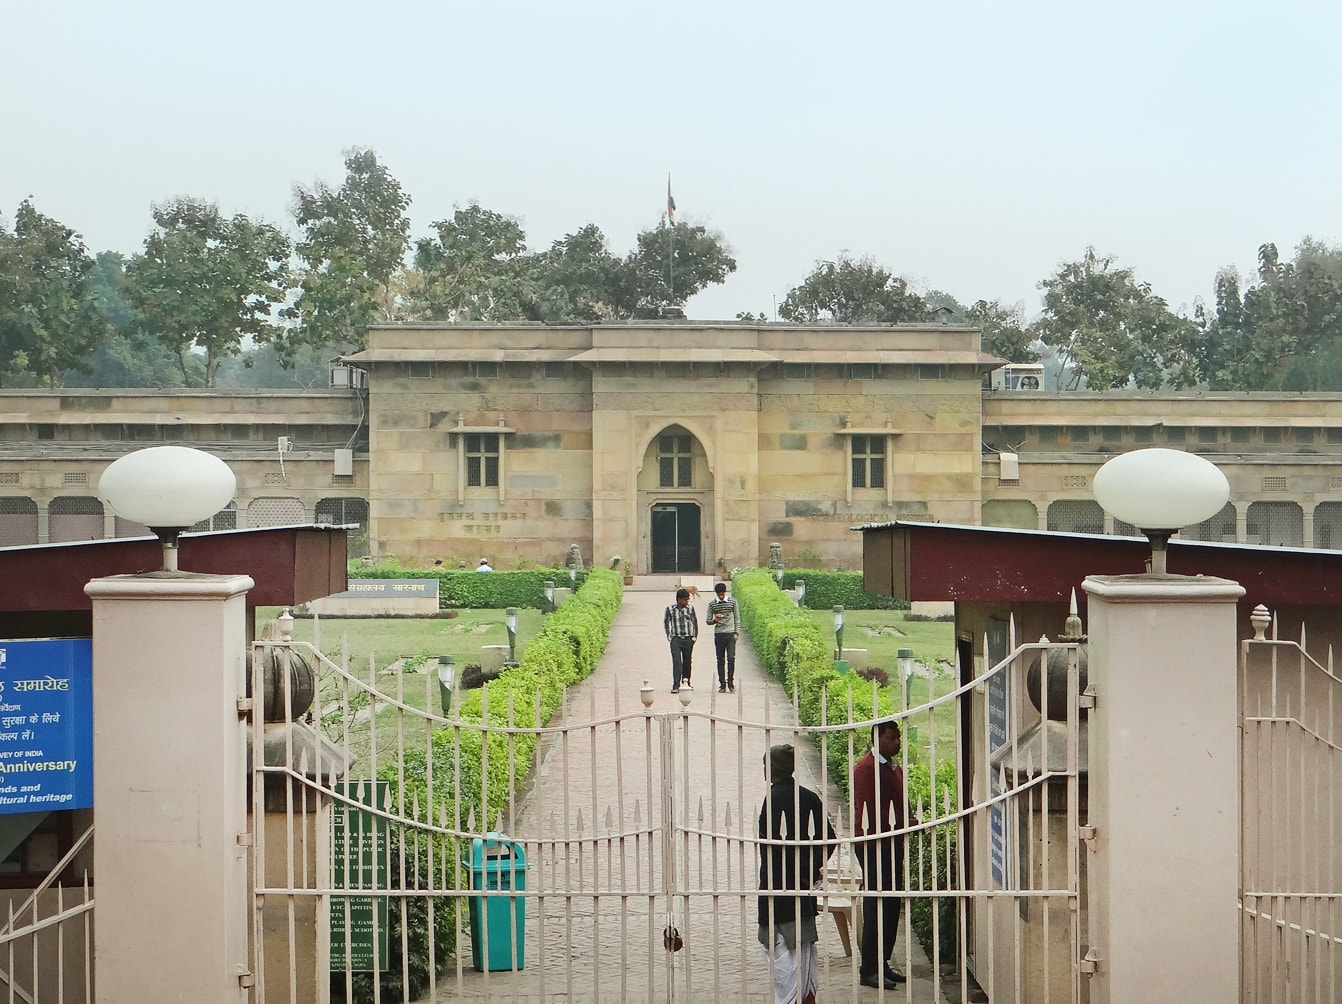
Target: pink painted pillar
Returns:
[[169, 787], [1164, 789]]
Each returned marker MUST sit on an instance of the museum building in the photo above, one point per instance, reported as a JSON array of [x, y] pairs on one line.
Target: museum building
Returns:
[[681, 447]]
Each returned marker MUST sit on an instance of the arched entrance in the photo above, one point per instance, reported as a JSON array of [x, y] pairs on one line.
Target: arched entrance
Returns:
[[675, 496]]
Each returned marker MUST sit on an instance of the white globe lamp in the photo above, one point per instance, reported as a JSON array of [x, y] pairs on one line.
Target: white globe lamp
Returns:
[[1159, 491], [168, 489]]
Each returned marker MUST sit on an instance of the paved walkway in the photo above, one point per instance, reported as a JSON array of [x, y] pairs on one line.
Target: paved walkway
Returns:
[[591, 822]]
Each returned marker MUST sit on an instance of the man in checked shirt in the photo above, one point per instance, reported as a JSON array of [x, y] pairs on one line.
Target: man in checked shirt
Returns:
[[682, 628]]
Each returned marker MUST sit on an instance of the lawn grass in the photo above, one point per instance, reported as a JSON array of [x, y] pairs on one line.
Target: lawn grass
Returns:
[[883, 633], [413, 645]]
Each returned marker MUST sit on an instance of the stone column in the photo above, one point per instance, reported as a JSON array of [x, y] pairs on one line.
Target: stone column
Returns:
[[169, 787], [1164, 789]]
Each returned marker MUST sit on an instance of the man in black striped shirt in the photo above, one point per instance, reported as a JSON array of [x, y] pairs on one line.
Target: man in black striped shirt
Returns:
[[682, 628]]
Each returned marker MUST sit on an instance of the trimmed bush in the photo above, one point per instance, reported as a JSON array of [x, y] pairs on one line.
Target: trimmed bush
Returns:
[[488, 590], [565, 651], [829, 589]]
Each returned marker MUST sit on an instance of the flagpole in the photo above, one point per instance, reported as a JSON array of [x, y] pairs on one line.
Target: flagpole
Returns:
[[670, 243]]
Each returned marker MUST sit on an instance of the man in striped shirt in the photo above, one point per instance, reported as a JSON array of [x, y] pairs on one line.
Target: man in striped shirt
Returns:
[[725, 617], [682, 628]]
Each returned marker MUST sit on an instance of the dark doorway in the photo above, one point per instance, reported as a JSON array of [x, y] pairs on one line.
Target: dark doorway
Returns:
[[675, 538]]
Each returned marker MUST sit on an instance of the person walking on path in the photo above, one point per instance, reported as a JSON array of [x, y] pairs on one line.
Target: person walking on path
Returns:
[[879, 810], [681, 624], [795, 842], [725, 616]]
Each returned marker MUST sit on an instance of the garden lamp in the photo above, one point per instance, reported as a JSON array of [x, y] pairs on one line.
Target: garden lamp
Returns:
[[779, 575], [550, 595], [905, 659], [447, 678], [573, 576], [838, 629], [510, 619], [168, 489], [1158, 491], [801, 592]]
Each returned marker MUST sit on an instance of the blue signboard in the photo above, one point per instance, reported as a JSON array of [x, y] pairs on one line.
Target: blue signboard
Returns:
[[998, 704], [46, 724]]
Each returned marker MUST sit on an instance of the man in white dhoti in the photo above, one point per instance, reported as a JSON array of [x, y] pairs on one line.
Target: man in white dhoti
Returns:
[[795, 841]]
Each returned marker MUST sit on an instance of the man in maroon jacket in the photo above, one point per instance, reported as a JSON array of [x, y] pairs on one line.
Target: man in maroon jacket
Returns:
[[878, 808]]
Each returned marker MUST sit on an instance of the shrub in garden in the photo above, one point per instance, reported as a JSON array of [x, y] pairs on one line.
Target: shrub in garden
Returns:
[[472, 780], [491, 590], [829, 589]]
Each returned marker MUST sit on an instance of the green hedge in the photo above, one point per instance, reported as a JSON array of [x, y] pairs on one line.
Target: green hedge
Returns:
[[792, 647], [825, 590], [565, 651], [489, 590]]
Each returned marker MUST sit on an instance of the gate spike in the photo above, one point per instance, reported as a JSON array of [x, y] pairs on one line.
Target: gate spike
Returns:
[[414, 805], [701, 812], [610, 820], [727, 819], [1011, 633], [1303, 647], [303, 762], [470, 820], [579, 825], [498, 822], [638, 816]]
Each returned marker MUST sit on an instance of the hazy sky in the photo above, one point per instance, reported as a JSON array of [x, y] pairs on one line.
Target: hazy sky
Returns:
[[969, 146]]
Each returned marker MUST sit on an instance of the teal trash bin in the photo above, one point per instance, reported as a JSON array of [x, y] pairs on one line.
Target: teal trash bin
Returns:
[[498, 922]]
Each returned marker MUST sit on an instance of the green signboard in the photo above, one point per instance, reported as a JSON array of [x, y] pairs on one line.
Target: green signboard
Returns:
[[358, 862]]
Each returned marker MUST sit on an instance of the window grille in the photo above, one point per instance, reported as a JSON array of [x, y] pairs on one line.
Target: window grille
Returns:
[[868, 461], [1276, 524], [1075, 481], [75, 478], [9, 477], [482, 460], [275, 512], [675, 462], [1274, 484], [1076, 516]]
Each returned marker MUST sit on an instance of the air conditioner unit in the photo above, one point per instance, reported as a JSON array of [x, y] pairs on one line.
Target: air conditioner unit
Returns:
[[1009, 467], [344, 462]]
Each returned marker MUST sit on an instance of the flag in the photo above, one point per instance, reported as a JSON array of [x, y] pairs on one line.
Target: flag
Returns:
[[670, 203]]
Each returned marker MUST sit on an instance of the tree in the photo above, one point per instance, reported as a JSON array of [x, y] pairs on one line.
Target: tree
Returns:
[[127, 358], [477, 269], [352, 250], [1005, 332], [579, 279], [207, 283], [51, 318], [852, 291], [669, 265], [1110, 330], [1282, 332]]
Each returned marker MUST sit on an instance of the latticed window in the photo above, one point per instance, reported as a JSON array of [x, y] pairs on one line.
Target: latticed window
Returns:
[[1328, 526], [224, 519], [675, 464], [1277, 524], [1220, 527], [341, 511], [868, 461], [1076, 516], [482, 460], [275, 512]]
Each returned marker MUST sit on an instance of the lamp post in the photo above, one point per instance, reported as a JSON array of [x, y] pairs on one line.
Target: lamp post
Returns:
[[1158, 491], [801, 592], [550, 596], [510, 619], [838, 630], [168, 489], [779, 576], [572, 577], [447, 678], [905, 661]]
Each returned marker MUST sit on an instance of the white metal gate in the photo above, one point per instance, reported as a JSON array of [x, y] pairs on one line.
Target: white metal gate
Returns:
[[1291, 817], [638, 825]]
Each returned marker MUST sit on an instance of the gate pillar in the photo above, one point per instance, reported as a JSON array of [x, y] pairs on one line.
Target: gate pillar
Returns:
[[169, 787], [1163, 865]]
